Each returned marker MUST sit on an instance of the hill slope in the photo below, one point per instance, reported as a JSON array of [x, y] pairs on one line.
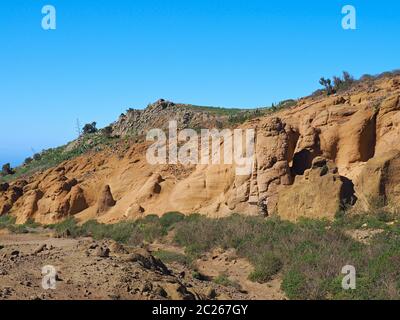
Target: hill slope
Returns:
[[313, 159]]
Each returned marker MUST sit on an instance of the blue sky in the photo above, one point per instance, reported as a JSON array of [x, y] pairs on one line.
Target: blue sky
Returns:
[[107, 56]]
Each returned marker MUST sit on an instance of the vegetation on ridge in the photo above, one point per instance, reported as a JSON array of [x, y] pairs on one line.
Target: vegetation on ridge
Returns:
[[52, 157]]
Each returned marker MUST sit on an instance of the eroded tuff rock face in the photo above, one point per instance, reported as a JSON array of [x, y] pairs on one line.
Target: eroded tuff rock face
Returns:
[[319, 193], [379, 180], [310, 160]]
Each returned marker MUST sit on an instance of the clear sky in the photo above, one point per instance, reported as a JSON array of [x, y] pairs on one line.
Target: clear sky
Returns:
[[108, 55]]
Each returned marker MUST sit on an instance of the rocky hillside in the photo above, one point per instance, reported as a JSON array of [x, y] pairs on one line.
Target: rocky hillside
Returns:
[[93, 270], [158, 115], [313, 159]]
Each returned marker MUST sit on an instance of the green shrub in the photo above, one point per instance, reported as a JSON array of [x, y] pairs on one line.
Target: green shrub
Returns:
[[6, 220], [171, 218], [18, 229], [147, 229], [197, 275], [198, 233], [28, 161], [337, 84], [293, 284], [194, 251], [9, 222], [267, 266], [121, 232], [151, 228], [7, 170], [310, 254], [151, 218], [68, 226], [53, 157], [89, 128], [223, 280]]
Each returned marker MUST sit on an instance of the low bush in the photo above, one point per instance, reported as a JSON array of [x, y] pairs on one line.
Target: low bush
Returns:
[[223, 280], [9, 222], [6, 221], [125, 232], [170, 218], [267, 266], [67, 227], [310, 254], [53, 157]]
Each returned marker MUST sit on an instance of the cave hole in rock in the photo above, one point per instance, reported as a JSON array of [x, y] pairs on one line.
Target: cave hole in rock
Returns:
[[347, 193], [293, 139], [368, 140], [302, 161]]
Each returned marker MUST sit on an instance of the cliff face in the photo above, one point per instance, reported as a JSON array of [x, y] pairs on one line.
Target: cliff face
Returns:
[[310, 159]]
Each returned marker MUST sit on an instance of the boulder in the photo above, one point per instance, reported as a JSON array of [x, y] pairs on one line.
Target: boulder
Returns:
[[148, 261], [176, 291], [77, 200], [116, 247], [105, 201], [40, 248], [102, 252]]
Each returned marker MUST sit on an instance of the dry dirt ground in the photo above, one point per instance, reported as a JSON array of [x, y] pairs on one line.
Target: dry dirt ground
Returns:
[[88, 269]]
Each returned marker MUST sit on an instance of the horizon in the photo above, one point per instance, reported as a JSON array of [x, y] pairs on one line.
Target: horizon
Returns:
[[103, 59]]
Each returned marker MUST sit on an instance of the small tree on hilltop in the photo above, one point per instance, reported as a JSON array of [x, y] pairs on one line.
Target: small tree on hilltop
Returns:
[[37, 157], [337, 83], [107, 131], [343, 83], [327, 83], [6, 169], [347, 77], [89, 128], [28, 161]]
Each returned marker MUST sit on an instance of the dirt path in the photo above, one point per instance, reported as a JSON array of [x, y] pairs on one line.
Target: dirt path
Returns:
[[236, 269], [29, 239]]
